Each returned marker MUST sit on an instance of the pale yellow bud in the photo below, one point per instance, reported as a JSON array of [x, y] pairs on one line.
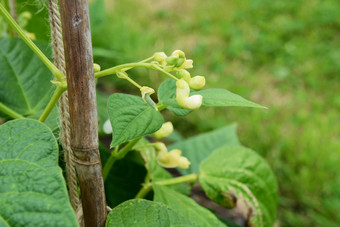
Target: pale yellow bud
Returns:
[[172, 159], [160, 57], [96, 67], [197, 82], [178, 53], [184, 74], [183, 163], [188, 64], [146, 90], [30, 35], [183, 99], [159, 146], [166, 129]]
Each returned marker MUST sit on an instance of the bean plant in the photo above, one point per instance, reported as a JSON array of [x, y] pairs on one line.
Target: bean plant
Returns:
[[140, 189]]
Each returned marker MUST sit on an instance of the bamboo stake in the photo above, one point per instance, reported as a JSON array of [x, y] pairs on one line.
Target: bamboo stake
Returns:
[[83, 109]]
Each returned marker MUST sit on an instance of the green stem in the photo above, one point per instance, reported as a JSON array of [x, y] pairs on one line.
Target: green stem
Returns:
[[133, 82], [117, 68], [144, 191], [178, 180], [129, 66], [55, 71], [10, 112], [161, 106], [55, 97], [116, 156], [165, 72]]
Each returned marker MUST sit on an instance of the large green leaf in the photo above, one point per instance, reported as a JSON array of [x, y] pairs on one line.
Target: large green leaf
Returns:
[[211, 97], [235, 171], [25, 81], [167, 96], [131, 118], [187, 207], [144, 213], [32, 188], [223, 97], [197, 148]]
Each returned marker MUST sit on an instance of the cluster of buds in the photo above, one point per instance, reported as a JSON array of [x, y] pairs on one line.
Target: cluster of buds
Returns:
[[177, 62], [166, 129], [171, 159]]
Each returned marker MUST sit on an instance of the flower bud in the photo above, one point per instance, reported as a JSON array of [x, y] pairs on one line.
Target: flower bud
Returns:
[[188, 64], [166, 129], [159, 146], [146, 90], [184, 74], [178, 54], [96, 67], [193, 102], [183, 99], [197, 82], [172, 159], [107, 128], [179, 62], [30, 35], [183, 163], [172, 60], [160, 57]]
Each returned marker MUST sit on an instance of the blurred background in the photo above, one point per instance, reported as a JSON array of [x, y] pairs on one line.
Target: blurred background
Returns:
[[282, 54]]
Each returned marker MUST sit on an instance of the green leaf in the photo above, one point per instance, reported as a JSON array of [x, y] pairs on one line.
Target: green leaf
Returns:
[[235, 171], [32, 188], [223, 97], [211, 97], [140, 212], [198, 215], [131, 118], [167, 96], [25, 81], [197, 148], [38, 24]]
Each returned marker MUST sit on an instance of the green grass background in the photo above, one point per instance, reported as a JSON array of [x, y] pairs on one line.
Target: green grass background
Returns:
[[282, 54]]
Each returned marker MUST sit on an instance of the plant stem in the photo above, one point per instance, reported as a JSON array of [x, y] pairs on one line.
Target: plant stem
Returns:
[[165, 72], [144, 191], [118, 155], [161, 106], [117, 68], [10, 112], [129, 66], [178, 180], [133, 82], [55, 97], [55, 71]]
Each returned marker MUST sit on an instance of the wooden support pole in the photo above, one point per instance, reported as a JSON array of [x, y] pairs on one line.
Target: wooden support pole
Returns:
[[83, 109]]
